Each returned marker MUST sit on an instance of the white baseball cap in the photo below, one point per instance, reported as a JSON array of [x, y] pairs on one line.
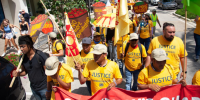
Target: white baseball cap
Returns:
[[51, 64], [99, 49], [159, 54], [133, 36], [52, 35]]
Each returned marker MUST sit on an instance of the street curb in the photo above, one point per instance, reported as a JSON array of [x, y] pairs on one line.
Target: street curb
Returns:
[[179, 16]]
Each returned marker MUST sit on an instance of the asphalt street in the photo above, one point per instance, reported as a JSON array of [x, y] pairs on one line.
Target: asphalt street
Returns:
[[164, 16]]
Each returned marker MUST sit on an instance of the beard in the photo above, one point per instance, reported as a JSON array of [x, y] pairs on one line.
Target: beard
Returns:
[[169, 38]]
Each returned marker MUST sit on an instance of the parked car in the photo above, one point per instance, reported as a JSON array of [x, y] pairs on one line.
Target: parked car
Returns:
[[17, 91], [154, 2], [167, 4]]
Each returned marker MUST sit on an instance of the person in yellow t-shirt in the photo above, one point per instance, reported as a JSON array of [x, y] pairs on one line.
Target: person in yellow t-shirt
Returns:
[[197, 38], [101, 71], [86, 56], [144, 31], [97, 40], [147, 15], [57, 47], [133, 25], [196, 78], [172, 45], [158, 74], [119, 51], [133, 61], [58, 74]]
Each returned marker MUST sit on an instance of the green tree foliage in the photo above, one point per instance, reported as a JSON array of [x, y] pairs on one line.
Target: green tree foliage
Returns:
[[58, 7]]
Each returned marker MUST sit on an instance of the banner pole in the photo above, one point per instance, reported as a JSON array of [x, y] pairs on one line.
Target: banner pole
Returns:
[[185, 42], [48, 43], [13, 79], [58, 29]]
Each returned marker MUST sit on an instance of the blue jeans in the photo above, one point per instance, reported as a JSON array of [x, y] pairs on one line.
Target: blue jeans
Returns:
[[129, 75], [112, 50], [88, 83], [145, 42], [39, 95], [121, 66], [197, 48]]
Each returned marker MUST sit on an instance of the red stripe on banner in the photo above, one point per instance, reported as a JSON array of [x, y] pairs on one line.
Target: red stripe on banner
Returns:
[[175, 92]]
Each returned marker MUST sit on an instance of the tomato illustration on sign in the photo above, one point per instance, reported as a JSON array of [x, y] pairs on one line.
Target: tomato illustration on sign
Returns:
[[48, 27], [71, 43]]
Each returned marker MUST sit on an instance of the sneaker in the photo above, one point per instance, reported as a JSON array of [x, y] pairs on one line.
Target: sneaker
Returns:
[[196, 59], [3, 54], [19, 51]]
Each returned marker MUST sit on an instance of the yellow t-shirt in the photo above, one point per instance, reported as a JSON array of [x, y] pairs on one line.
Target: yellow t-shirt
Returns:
[[133, 58], [101, 77], [58, 46], [197, 29], [164, 78], [131, 28], [86, 57], [144, 31], [66, 75], [173, 49], [196, 78], [119, 45], [93, 44], [151, 23]]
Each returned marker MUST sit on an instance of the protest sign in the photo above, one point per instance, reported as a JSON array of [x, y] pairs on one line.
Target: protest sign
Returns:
[[140, 7], [98, 7], [37, 25], [80, 22]]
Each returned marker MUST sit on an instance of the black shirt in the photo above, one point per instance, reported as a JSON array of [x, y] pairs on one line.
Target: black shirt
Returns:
[[110, 34], [35, 70], [26, 17]]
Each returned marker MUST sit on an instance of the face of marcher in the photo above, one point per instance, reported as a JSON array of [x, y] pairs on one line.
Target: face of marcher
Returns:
[[5, 23], [86, 47], [97, 38], [154, 12], [134, 42], [24, 48], [158, 65], [22, 20], [99, 58], [169, 33], [23, 12]]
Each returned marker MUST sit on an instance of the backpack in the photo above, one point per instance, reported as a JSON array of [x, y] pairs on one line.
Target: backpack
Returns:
[[140, 47], [63, 45]]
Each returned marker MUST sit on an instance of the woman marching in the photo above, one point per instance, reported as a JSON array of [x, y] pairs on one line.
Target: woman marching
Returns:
[[24, 26], [8, 35], [145, 32]]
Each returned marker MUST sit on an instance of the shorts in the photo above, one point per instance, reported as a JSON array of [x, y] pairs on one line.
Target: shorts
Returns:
[[9, 35], [24, 32]]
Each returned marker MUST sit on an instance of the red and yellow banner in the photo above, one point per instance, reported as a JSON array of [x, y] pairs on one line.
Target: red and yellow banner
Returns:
[[40, 24], [175, 92]]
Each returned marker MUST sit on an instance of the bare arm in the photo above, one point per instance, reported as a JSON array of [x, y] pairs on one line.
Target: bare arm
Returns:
[[196, 19], [182, 65], [153, 87], [113, 84], [63, 84], [27, 25], [158, 22], [138, 32], [81, 78], [60, 53], [148, 60]]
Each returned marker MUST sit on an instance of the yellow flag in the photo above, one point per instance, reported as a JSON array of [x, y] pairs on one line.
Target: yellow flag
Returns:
[[122, 20], [72, 50]]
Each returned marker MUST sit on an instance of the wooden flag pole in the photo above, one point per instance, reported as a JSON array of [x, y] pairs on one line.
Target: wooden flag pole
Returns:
[[48, 43], [58, 29], [13, 79], [185, 41]]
